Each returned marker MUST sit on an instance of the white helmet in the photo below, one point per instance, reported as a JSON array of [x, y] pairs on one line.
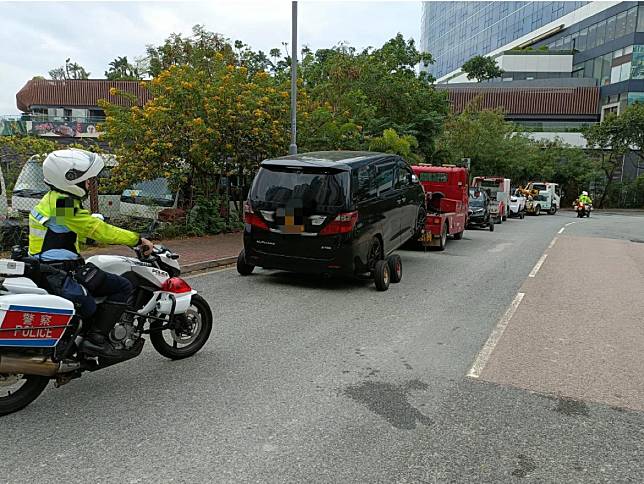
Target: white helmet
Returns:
[[584, 193], [67, 170]]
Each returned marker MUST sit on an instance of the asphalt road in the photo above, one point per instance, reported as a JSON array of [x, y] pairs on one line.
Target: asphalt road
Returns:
[[308, 380]]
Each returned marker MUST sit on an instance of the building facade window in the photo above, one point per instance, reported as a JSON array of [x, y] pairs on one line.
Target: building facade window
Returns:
[[637, 62]]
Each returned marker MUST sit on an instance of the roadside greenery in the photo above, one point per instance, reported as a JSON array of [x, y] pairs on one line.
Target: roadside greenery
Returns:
[[219, 108], [482, 68], [498, 148]]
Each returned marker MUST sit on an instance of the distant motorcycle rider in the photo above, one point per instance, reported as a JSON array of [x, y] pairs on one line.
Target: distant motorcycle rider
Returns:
[[57, 227], [585, 199]]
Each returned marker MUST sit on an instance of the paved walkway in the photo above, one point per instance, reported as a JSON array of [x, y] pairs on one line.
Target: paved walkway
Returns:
[[197, 253], [578, 331]]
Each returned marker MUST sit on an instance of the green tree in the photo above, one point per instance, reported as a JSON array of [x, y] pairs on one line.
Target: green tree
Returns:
[[198, 126], [482, 68], [121, 70], [630, 125], [200, 50], [71, 70], [485, 138], [373, 90], [608, 144], [391, 142]]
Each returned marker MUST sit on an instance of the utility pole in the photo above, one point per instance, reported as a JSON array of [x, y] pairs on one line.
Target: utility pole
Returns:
[[292, 149]]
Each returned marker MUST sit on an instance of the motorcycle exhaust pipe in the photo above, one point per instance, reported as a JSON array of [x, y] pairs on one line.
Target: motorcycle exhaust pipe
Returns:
[[30, 365]]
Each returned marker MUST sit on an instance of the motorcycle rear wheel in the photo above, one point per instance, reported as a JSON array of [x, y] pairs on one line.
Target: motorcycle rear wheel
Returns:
[[193, 334], [15, 396]]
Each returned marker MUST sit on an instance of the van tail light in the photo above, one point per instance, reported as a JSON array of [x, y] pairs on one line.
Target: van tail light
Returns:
[[343, 223], [176, 285], [252, 218]]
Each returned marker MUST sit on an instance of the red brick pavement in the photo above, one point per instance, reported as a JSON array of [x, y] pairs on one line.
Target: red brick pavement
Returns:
[[193, 250]]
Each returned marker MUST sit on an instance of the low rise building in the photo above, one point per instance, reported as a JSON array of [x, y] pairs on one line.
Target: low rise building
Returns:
[[67, 108]]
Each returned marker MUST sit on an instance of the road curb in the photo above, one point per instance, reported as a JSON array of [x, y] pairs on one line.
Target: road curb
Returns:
[[207, 264]]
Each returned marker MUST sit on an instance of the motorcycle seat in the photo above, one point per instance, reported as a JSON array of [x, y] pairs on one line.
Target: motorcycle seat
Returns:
[[22, 285]]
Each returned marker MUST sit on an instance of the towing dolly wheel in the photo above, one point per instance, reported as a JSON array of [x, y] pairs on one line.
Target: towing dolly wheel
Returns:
[[458, 236], [395, 268], [243, 267], [491, 226], [381, 275]]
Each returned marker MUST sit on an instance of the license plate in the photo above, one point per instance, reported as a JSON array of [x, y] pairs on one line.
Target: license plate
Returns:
[[293, 229], [426, 238]]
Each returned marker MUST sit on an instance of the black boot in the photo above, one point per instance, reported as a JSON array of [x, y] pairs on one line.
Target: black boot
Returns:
[[97, 341]]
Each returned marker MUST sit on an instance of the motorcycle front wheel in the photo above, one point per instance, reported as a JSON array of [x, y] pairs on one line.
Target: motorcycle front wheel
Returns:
[[18, 391], [190, 333]]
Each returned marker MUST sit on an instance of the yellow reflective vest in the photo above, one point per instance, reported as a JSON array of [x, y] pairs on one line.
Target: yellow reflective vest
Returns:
[[59, 224]]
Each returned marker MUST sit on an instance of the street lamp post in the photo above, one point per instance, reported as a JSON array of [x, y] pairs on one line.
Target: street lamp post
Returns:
[[292, 149]]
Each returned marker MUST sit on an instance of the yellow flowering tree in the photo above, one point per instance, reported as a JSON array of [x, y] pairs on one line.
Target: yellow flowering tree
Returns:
[[198, 126]]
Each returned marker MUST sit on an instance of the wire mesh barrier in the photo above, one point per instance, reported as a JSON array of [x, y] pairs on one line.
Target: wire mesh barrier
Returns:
[[149, 206]]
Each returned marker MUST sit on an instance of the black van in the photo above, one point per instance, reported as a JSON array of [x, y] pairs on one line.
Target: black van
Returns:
[[332, 212]]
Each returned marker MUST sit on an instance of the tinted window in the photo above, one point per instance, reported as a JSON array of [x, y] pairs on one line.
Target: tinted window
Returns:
[[477, 201], [434, 177], [311, 189], [385, 178], [404, 176], [620, 25], [631, 20], [591, 41], [581, 40], [364, 182], [610, 29]]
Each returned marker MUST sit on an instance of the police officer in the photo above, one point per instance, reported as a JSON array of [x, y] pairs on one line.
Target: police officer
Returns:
[[57, 227], [585, 198]]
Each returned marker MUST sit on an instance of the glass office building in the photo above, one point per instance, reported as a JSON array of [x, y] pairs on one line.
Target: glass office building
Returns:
[[605, 40], [453, 32]]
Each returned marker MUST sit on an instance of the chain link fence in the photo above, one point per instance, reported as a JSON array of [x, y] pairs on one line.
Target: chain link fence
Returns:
[[150, 206]]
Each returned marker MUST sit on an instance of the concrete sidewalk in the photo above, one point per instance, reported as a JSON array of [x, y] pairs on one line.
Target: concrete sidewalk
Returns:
[[197, 253], [578, 332]]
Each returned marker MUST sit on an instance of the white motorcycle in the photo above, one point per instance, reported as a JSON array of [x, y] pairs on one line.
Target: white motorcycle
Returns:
[[40, 334]]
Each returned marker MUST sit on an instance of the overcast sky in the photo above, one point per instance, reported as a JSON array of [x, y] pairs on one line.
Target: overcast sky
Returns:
[[38, 36]]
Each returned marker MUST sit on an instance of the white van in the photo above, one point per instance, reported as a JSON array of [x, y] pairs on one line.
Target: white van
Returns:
[[30, 187], [147, 198]]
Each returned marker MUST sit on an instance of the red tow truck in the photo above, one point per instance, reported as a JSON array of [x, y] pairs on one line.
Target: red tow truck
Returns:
[[446, 203]]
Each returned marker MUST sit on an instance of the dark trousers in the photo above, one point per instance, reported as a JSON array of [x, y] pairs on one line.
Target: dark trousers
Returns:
[[116, 288]]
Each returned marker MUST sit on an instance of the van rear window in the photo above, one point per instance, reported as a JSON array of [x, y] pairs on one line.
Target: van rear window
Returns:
[[433, 177], [312, 189]]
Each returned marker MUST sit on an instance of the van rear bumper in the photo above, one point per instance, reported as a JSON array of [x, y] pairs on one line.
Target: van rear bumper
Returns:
[[341, 260]]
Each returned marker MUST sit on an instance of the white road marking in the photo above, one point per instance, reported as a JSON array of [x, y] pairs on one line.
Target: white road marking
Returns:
[[537, 266], [561, 230], [552, 244], [570, 223], [485, 353]]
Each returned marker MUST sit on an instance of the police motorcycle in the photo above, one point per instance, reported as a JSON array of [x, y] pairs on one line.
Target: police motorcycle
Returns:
[[582, 209], [41, 333]]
